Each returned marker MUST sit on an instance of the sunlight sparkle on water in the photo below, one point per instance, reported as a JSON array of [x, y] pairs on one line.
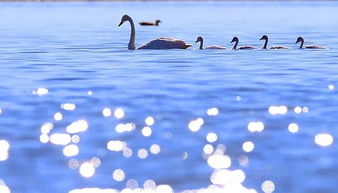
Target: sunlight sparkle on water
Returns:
[[208, 149], [70, 150], [256, 126], [58, 116], [60, 138], [227, 177], [142, 153], [164, 189], [323, 139], [119, 113], [46, 127], [149, 121], [77, 126], [106, 112], [4, 150], [116, 145], [293, 128], [278, 110], [248, 146], [212, 111], [40, 91], [211, 137], [195, 125], [146, 131], [44, 138], [219, 161], [87, 170], [155, 149], [0, 111], [268, 186], [331, 87], [119, 175], [121, 128], [4, 188], [68, 106]]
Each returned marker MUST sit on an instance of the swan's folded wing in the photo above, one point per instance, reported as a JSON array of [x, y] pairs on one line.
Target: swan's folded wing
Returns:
[[278, 47], [165, 43], [315, 47], [215, 47]]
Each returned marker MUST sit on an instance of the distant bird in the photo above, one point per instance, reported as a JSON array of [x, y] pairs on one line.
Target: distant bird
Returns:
[[301, 40], [151, 23], [236, 40], [160, 43], [200, 39], [265, 37]]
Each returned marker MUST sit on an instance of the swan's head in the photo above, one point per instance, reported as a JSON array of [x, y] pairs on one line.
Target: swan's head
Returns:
[[299, 39], [199, 39], [158, 21], [123, 19], [235, 39], [264, 37]]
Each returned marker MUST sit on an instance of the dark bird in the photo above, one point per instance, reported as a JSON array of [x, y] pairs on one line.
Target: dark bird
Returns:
[[151, 23], [301, 40], [236, 40], [200, 39], [265, 37]]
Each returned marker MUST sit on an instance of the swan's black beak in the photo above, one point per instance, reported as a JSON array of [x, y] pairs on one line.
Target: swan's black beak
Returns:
[[196, 41], [120, 23], [261, 38], [297, 41]]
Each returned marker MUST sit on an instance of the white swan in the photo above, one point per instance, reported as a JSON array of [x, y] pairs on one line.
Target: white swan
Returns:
[[200, 39], [301, 40], [160, 43], [265, 37], [236, 40]]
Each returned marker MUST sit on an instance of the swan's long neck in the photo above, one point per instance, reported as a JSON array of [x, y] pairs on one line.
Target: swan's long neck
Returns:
[[201, 44], [266, 43], [235, 46], [131, 45], [301, 43]]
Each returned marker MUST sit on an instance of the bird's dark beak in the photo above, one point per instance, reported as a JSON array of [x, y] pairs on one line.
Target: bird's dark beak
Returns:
[[232, 41], [196, 41], [261, 38], [120, 23], [297, 41]]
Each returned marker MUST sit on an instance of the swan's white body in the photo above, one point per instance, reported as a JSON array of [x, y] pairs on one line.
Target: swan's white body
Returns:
[[236, 40], [200, 39], [160, 43], [265, 37], [301, 40]]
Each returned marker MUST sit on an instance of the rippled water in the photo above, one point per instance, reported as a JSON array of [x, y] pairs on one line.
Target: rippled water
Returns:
[[78, 110]]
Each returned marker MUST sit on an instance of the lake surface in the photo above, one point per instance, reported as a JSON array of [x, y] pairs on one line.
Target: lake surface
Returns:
[[79, 111]]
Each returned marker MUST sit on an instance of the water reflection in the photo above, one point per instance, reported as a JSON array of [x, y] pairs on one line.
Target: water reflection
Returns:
[[87, 169]]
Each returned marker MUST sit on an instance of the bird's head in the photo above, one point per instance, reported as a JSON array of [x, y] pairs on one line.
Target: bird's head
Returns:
[[199, 39], [123, 19], [264, 37]]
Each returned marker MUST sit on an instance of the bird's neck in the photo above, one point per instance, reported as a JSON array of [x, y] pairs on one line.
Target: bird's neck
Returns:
[[201, 44], [301, 44], [235, 46], [265, 44], [131, 45]]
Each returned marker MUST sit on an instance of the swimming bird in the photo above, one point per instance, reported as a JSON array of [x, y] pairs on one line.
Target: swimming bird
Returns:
[[236, 40], [265, 37], [301, 40], [160, 43], [151, 23], [200, 39]]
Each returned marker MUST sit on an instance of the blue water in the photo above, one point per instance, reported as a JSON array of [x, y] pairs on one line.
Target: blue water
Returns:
[[52, 54]]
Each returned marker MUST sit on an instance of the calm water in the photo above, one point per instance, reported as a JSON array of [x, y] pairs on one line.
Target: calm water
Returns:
[[78, 110]]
